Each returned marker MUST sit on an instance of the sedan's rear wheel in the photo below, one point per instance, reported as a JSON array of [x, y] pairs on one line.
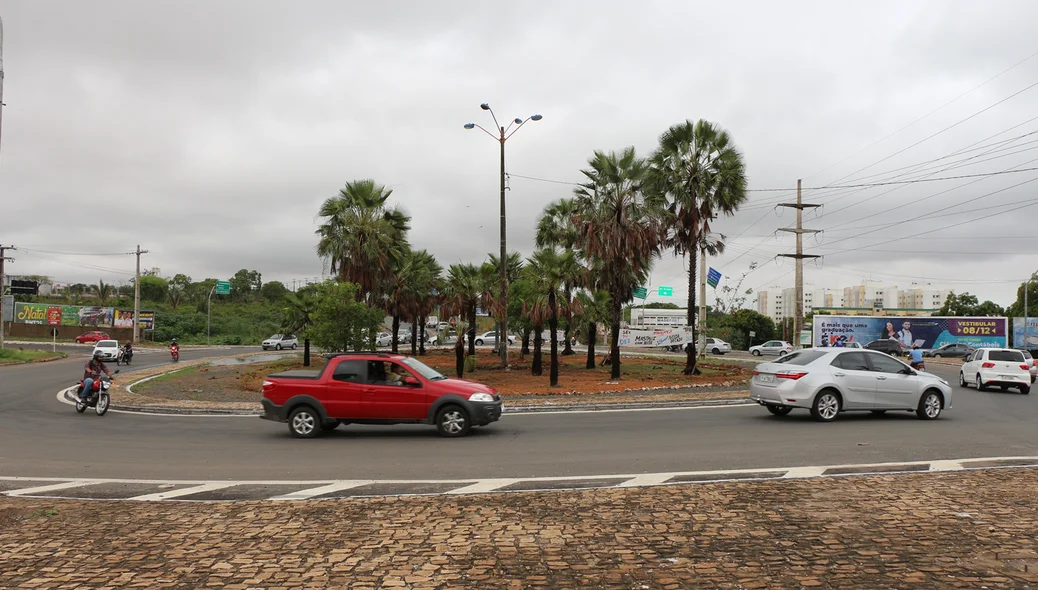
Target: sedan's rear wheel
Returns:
[[980, 383], [779, 410], [937, 355], [929, 406], [826, 406], [1025, 389]]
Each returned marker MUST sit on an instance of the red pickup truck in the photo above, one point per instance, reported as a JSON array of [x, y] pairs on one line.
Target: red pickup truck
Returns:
[[376, 388]]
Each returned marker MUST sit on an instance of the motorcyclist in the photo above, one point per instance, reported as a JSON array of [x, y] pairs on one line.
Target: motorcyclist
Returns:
[[91, 372], [128, 351], [917, 358]]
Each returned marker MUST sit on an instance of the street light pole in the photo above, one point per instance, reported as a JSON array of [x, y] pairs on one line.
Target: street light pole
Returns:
[[501, 137]]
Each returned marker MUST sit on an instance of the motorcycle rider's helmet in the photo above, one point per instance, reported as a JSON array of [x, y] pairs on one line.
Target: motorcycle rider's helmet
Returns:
[[97, 355], [174, 342]]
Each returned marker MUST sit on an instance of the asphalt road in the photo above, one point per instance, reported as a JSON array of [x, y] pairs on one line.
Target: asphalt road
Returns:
[[41, 437]]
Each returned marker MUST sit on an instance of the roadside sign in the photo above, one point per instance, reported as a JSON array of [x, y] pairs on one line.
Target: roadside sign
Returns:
[[752, 333], [666, 291], [223, 288], [713, 277], [641, 292]]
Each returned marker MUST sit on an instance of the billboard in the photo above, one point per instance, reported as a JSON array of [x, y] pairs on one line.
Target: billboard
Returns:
[[1031, 342], [652, 338], [925, 332], [87, 317]]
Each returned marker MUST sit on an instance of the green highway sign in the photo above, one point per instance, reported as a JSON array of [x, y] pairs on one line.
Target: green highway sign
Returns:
[[666, 291], [223, 288], [641, 292]]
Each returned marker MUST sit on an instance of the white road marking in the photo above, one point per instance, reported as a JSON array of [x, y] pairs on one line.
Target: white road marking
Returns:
[[946, 465], [208, 487], [325, 489], [799, 472], [486, 485], [646, 479], [51, 487]]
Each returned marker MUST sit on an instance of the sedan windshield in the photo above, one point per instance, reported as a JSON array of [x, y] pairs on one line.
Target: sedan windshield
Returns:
[[423, 369]]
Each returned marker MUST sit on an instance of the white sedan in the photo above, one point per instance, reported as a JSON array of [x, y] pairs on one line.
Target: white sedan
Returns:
[[828, 381], [490, 338], [996, 367], [771, 347], [109, 349]]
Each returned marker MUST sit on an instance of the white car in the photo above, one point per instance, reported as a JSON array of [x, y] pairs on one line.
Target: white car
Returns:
[[771, 347], [717, 346], [996, 367], [109, 349], [490, 338], [1034, 365], [384, 339], [828, 381], [279, 341]]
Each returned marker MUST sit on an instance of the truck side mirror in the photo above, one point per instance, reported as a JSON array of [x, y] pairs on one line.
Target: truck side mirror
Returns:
[[412, 382]]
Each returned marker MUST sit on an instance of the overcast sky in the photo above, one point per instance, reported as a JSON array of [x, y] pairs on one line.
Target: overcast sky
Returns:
[[210, 132]]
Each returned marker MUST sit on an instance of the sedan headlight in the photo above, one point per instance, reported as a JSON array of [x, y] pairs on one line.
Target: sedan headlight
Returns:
[[481, 397]]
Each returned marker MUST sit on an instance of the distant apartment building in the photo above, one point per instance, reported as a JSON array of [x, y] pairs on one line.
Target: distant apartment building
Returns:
[[868, 298]]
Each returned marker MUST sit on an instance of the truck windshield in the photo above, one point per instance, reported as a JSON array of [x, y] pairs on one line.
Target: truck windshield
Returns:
[[423, 369]]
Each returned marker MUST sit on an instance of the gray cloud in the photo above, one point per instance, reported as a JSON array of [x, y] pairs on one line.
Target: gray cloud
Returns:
[[210, 132]]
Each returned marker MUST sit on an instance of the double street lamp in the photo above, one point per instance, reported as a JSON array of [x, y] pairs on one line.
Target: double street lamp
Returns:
[[502, 135]]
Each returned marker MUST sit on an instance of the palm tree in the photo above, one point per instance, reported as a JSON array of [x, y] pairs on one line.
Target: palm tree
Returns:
[[697, 173], [420, 277], [103, 292], [595, 309], [513, 271], [361, 235], [299, 315], [552, 270], [618, 229], [536, 309], [555, 228], [461, 297]]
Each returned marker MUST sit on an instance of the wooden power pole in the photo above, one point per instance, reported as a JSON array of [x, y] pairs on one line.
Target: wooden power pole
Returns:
[[137, 294], [798, 316], [2, 260]]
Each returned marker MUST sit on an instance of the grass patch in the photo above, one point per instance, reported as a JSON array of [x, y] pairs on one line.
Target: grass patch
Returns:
[[179, 373], [18, 355], [45, 513]]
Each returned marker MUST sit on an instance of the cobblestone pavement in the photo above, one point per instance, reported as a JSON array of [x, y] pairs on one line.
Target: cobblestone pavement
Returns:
[[971, 529]]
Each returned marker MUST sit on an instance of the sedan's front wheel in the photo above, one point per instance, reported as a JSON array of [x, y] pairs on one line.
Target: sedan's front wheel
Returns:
[[929, 406], [826, 406], [755, 352], [962, 379]]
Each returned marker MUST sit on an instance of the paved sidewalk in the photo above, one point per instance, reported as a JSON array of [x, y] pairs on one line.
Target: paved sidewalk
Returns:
[[970, 529]]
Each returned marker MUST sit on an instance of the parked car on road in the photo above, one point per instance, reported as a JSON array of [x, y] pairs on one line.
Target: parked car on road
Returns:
[[92, 337], [891, 347], [953, 350], [490, 338], [828, 381], [717, 346], [376, 388], [279, 341], [109, 349], [384, 339], [996, 367], [772, 348]]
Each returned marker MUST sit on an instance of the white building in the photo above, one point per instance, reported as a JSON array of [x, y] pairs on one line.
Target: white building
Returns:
[[778, 303], [658, 318], [769, 303]]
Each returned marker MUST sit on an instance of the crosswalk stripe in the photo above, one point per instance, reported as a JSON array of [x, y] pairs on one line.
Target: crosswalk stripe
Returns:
[[208, 487], [326, 489], [51, 488]]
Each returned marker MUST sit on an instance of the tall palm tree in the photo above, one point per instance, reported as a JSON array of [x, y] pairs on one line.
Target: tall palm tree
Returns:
[[299, 315], [697, 173], [618, 229], [421, 279], [555, 228], [103, 292], [361, 234], [547, 265]]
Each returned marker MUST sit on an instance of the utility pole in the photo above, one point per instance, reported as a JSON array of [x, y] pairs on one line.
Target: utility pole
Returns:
[[702, 302], [798, 316], [2, 260], [137, 294]]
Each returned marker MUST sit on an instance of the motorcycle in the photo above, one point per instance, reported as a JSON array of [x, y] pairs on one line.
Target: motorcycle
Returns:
[[174, 352], [124, 357], [98, 396], [920, 366]]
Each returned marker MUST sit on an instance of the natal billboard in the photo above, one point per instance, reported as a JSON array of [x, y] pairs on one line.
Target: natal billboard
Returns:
[[73, 315], [925, 332], [661, 337]]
